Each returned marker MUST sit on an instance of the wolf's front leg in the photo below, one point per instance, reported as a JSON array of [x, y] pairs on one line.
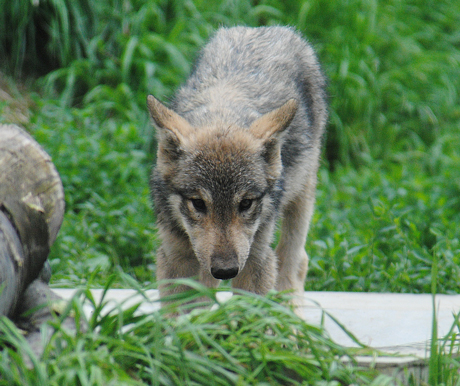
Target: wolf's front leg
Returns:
[[179, 264], [174, 266], [293, 260]]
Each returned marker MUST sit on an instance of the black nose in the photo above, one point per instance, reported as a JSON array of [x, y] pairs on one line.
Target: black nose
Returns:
[[224, 273]]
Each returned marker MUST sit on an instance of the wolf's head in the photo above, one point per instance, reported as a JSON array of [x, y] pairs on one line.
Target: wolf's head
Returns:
[[220, 180]]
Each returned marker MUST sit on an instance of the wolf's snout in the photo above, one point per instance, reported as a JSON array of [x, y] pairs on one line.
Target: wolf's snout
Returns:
[[224, 273], [224, 264]]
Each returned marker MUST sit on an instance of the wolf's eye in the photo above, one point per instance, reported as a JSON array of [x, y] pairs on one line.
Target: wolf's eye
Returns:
[[199, 205], [245, 204]]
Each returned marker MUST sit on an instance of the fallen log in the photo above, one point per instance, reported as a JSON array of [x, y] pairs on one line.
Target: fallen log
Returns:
[[31, 213]]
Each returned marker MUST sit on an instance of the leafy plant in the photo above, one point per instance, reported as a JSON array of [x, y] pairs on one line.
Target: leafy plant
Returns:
[[247, 340], [40, 35]]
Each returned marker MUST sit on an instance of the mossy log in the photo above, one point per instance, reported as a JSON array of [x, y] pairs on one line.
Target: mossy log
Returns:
[[31, 213]]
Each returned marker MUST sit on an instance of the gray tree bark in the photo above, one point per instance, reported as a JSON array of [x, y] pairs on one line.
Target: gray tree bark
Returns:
[[31, 213]]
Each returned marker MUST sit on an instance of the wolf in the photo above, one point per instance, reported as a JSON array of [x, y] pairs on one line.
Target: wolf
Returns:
[[238, 150]]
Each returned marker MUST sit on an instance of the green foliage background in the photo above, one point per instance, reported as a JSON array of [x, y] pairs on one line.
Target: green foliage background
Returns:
[[389, 192], [76, 74]]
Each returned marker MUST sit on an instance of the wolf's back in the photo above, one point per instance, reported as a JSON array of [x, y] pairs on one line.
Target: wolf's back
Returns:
[[243, 73]]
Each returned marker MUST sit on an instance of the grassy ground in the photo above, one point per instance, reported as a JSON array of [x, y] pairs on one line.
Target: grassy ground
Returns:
[[388, 204]]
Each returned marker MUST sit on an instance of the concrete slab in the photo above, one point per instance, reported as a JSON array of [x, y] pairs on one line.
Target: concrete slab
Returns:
[[391, 323]]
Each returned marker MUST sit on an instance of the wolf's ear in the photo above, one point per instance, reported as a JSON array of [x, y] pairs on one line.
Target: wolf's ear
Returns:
[[172, 128], [267, 128], [167, 119], [275, 121]]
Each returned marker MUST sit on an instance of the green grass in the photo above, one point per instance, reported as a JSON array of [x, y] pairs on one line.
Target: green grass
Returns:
[[388, 202], [247, 340], [401, 214], [104, 168]]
